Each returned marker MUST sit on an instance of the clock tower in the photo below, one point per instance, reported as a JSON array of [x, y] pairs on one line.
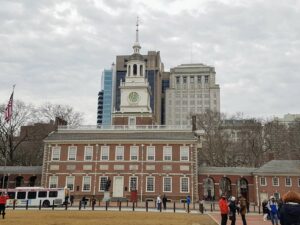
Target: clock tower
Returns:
[[135, 90]]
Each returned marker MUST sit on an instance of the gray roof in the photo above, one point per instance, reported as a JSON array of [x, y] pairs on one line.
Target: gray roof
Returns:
[[21, 169], [121, 136], [289, 167], [226, 170]]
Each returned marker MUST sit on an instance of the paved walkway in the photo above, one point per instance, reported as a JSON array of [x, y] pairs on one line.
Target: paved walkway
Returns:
[[252, 219]]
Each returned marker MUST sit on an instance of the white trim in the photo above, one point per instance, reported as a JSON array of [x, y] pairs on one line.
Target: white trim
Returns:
[[273, 181], [121, 150], [104, 148], [291, 182], [147, 183], [83, 179], [100, 183], [188, 183], [136, 185], [86, 149], [149, 148], [73, 179], [72, 148], [136, 148], [167, 151], [53, 178], [182, 150], [58, 149], [171, 182], [260, 183]]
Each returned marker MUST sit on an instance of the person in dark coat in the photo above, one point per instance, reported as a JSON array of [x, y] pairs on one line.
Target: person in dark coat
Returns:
[[243, 209], [290, 210], [265, 210], [164, 201], [232, 210], [72, 199]]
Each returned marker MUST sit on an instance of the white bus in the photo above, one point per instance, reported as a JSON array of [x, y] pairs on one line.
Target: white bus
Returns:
[[36, 194]]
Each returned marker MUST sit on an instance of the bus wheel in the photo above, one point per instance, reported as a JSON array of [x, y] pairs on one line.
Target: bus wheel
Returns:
[[46, 204]]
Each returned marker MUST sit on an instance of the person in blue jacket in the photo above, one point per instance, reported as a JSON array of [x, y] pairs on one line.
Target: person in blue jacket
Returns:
[[273, 209], [188, 202]]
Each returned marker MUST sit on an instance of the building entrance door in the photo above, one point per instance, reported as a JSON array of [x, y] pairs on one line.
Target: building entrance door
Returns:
[[263, 196], [118, 186]]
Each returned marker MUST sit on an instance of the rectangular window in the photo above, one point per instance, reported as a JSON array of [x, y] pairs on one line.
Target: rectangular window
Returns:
[[275, 181], [184, 80], [86, 183], [53, 180], [52, 194], [72, 152], [31, 195], [88, 153], [167, 153], [263, 181], [70, 182], [119, 153], [184, 184], [21, 195], [288, 182], [42, 194], [150, 153], [134, 153], [150, 184], [102, 183], [192, 80], [104, 153], [184, 153], [167, 184], [55, 153], [199, 79], [177, 80], [132, 121], [206, 79], [133, 181]]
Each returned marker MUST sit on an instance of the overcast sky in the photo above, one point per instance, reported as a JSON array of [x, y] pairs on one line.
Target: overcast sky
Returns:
[[56, 50]]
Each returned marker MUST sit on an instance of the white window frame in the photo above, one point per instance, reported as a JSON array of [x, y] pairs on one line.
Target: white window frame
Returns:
[[149, 149], [119, 149], [106, 150], [72, 183], [55, 151], [265, 181], [188, 185], [136, 183], [131, 121], [72, 150], [164, 183], [100, 178], [167, 153], [53, 181], [286, 183], [83, 183], [273, 183], [88, 151], [132, 150], [147, 190], [183, 151]]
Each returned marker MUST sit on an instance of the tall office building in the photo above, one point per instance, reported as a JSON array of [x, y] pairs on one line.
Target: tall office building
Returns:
[[193, 89]]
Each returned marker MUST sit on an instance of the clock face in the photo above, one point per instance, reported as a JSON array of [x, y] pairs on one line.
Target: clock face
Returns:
[[133, 97]]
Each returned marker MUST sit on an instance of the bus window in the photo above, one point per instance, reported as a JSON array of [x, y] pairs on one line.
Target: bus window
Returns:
[[11, 195], [42, 194], [21, 195], [31, 195], [52, 194]]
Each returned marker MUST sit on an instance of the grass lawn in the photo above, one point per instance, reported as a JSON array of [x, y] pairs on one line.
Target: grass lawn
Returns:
[[103, 218]]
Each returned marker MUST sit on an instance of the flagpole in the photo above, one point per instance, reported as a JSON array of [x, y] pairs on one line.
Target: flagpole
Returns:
[[7, 141]]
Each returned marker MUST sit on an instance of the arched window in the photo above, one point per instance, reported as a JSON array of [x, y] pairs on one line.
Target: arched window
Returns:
[[225, 187], [242, 188], [134, 69], [141, 70], [209, 189], [19, 181], [5, 182]]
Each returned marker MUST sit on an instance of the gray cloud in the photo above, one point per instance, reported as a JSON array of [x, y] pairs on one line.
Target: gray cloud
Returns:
[[56, 50]]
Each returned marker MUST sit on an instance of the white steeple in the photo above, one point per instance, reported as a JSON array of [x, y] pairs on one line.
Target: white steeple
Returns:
[[136, 46]]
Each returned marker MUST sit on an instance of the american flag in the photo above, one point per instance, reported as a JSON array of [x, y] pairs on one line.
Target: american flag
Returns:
[[9, 108]]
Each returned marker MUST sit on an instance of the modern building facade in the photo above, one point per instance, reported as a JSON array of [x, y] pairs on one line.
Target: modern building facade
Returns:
[[192, 89]]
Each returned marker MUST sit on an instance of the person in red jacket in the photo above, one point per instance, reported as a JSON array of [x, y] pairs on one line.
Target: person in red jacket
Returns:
[[3, 199], [223, 204]]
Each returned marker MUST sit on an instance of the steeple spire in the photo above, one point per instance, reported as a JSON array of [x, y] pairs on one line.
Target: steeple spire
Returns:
[[136, 46]]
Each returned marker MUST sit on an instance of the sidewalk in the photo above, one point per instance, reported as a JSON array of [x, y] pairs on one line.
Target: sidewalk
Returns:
[[252, 219]]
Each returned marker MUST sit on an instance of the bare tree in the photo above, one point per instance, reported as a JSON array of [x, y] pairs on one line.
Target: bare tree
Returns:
[[50, 111]]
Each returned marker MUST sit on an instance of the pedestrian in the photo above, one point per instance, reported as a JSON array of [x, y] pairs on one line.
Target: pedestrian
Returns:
[[243, 209], [201, 206], [290, 210], [188, 202], [164, 201], [273, 209], [3, 199], [83, 201], [223, 204], [232, 210], [72, 199], [94, 201], [265, 210], [158, 202]]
